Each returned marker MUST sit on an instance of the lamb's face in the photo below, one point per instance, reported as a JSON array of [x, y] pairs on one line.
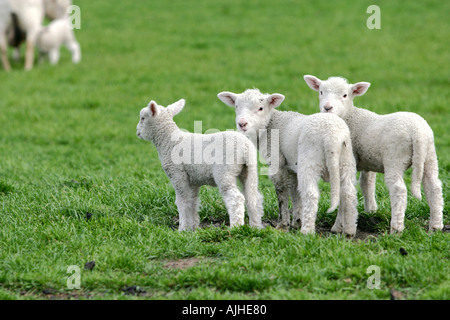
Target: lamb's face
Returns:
[[252, 114], [336, 94], [253, 109], [155, 116], [142, 129]]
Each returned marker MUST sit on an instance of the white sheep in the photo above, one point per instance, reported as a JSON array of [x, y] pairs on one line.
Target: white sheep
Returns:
[[5, 21], [309, 147], [388, 144], [30, 16], [191, 160], [57, 33]]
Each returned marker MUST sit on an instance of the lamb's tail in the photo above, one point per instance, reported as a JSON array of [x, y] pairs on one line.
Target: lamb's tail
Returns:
[[332, 159], [420, 149], [253, 198]]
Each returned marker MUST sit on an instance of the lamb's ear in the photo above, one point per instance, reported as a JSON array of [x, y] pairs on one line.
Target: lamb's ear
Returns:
[[312, 82], [229, 98], [358, 89], [153, 106], [275, 100], [175, 108]]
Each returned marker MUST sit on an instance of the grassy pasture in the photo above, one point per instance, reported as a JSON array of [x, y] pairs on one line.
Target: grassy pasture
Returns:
[[77, 185]]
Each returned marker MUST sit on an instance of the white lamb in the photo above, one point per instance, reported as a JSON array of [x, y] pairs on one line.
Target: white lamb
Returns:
[[310, 147], [30, 16], [57, 33], [389, 144], [191, 160], [5, 20]]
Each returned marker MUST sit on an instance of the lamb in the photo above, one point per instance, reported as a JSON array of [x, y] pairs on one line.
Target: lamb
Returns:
[[388, 144], [55, 34], [5, 20], [53, 9], [191, 160], [310, 147], [30, 16]]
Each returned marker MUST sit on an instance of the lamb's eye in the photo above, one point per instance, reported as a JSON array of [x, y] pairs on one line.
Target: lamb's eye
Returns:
[[320, 92], [261, 109], [142, 119], [236, 106], [345, 95]]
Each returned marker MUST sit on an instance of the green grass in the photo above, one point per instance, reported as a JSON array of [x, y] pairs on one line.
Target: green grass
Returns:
[[68, 147]]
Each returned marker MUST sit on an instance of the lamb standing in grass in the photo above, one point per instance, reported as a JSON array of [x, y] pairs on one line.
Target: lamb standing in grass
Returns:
[[310, 147], [234, 157], [389, 144], [53, 9], [50, 38], [30, 16]]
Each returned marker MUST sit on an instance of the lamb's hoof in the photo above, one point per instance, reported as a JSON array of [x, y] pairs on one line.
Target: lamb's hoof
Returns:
[[337, 228], [282, 226], [397, 230], [435, 227], [371, 209], [307, 231], [257, 226]]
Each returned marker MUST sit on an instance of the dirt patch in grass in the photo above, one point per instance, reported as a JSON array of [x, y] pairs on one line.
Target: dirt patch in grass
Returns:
[[181, 264]]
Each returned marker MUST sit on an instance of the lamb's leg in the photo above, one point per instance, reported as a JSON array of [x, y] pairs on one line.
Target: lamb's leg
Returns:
[[367, 182], [29, 55], [255, 209], [348, 202], [309, 192], [281, 183], [193, 217], [74, 48], [187, 204], [234, 202], [4, 53], [53, 56], [398, 194], [296, 203], [433, 191], [253, 198], [338, 225]]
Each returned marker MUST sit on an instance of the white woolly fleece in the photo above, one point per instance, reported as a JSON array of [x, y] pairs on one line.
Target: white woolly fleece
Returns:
[[309, 147], [388, 144]]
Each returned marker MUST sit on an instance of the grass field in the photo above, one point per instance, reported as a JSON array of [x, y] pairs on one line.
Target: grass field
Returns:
[[77, 185]]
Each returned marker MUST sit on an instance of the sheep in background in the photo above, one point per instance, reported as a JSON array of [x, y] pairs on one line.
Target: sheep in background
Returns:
[[234, 157], [53, 36], [388, 144], [27, 15], [30, 16], [5, 21], [310, 147]]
